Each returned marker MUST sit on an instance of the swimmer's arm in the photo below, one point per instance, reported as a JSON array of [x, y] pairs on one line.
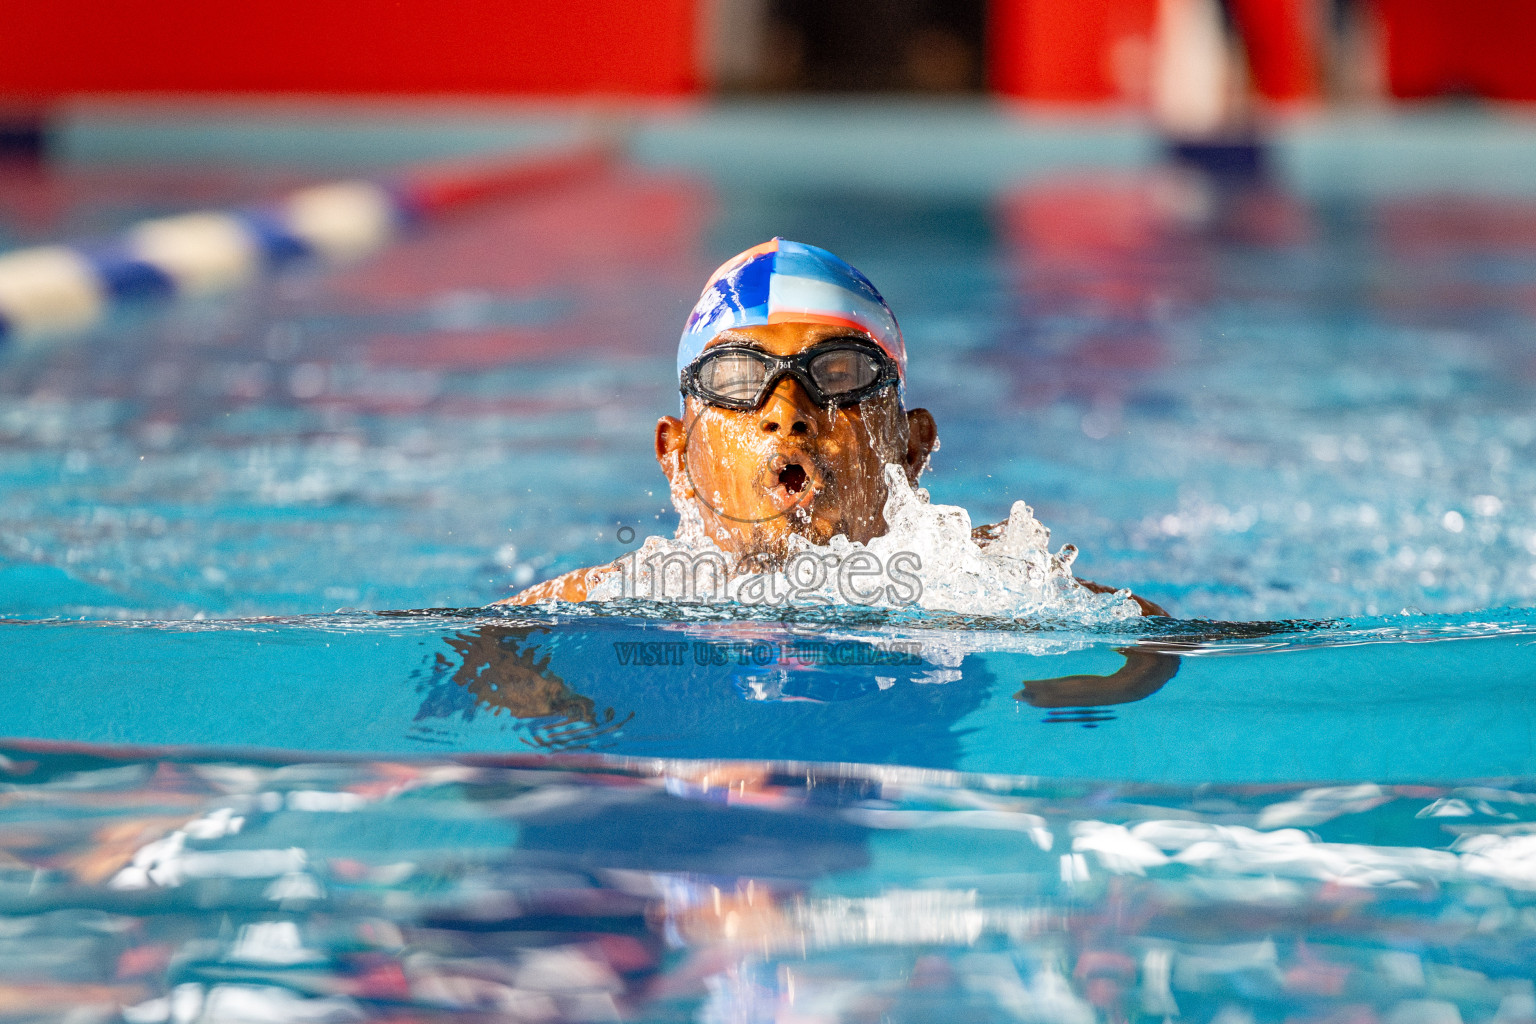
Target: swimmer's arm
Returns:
[[984, 535], [1143, 674], [1145, 671], [572, 586], [1147, 607]]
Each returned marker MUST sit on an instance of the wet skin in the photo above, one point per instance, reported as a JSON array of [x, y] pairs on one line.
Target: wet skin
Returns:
[[790, 466], [755, 477]]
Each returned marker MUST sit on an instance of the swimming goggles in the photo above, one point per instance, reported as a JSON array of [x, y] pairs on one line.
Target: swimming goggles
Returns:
[[837, 372]]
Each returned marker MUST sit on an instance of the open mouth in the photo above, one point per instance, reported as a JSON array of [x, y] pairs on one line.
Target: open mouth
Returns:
[[793, 478]]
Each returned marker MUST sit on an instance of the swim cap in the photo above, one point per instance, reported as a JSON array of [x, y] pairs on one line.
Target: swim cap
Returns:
[[783, 281]]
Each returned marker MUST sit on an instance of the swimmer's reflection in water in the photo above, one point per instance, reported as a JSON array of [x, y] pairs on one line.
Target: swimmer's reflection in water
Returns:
[[498, 669], [793, 371], [685, 679]]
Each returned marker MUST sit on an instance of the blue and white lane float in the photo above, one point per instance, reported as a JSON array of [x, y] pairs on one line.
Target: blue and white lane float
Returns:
[[56, 290]]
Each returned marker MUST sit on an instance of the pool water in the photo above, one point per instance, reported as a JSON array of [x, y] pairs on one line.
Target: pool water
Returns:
[[1299, 420], [197, 887]]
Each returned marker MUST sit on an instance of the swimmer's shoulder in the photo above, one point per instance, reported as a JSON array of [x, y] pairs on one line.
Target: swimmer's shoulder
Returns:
[[984, 535]]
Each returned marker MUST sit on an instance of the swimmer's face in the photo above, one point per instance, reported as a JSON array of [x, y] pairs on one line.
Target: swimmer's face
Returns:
[[790, 466]]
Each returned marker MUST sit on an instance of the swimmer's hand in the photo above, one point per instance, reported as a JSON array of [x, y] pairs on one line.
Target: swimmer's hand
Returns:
[[1142, 675], [500, 666], [1147, 607]]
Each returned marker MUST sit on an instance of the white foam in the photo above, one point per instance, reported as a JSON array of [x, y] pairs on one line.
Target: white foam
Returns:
[[927, 553]]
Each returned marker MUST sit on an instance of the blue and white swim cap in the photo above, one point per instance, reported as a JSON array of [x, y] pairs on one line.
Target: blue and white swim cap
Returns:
[[789, 282]]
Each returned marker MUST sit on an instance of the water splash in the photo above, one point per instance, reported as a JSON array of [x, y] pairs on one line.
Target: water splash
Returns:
[[928, 558]]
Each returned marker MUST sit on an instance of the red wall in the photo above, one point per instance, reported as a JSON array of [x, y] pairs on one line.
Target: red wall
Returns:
[[1047, 50], [553, 47], [1062, 51], [1483, 47]]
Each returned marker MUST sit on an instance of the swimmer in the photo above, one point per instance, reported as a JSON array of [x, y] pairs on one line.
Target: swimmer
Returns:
[[793, 372]]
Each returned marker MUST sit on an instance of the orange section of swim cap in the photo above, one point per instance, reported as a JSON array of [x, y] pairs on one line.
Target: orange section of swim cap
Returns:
[[793, 317], [735, 261]]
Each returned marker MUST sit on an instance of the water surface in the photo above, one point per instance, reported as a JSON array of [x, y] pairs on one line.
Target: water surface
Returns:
[[234, 793]]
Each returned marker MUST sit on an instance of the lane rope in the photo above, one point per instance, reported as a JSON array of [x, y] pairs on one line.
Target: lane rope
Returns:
[[53, 291]]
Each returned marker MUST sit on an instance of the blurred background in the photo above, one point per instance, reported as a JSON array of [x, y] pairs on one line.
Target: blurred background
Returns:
[[1237, 294], [1136, 54]]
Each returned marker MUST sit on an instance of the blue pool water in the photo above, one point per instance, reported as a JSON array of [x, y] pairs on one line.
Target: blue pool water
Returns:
[[1298, 418]]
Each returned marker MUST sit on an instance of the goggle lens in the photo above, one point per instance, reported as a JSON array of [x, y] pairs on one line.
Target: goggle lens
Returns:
[[740, 378], [844, 370]]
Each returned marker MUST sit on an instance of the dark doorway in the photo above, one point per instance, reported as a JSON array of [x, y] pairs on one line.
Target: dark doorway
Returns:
[[932, 46]]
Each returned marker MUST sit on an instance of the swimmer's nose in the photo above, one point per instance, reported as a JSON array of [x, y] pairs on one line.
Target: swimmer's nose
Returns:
[[788, 410]]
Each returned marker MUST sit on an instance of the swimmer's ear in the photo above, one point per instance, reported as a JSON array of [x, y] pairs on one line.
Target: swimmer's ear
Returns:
[[671, 449], [922, 439], [671, 437]]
